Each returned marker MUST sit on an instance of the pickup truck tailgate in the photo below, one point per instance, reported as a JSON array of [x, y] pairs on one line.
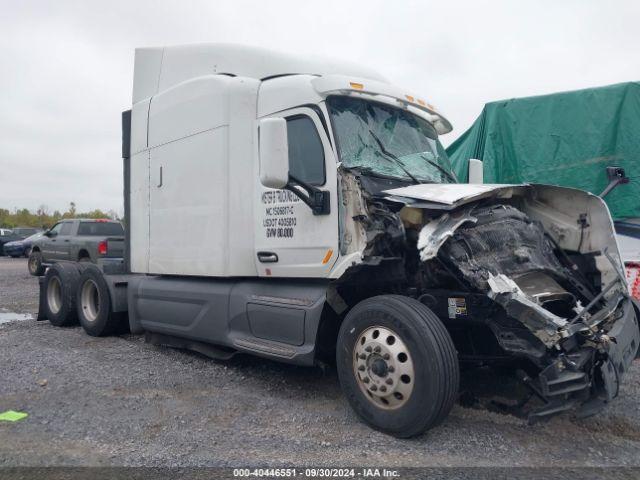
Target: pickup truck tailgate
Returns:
[[115, 247]]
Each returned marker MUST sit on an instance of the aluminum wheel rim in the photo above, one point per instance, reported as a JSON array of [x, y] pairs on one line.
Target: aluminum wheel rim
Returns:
[[54, 295], [90, 299], [383, 367]]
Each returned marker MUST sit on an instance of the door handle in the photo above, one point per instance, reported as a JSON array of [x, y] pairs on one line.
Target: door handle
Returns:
[[267, 257], [160, 184], [67, 240]]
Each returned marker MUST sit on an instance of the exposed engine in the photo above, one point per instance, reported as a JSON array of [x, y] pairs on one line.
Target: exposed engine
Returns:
[[504, 282]]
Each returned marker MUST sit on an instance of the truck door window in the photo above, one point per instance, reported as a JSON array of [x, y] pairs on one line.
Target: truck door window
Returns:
[[306, 154], [66, 229], [56, 228]]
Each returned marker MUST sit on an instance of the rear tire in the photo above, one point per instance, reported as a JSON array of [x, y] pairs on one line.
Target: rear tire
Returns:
[[94, 305], [396, 345], [35, 264], [60, 285]]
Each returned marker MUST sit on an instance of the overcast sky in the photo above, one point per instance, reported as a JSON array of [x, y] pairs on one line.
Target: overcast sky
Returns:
[[66, 66]]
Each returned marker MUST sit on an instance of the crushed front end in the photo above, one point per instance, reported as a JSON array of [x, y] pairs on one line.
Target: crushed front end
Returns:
[[524, 276]]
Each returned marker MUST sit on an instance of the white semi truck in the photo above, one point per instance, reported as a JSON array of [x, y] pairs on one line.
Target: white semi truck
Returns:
[[304, 210]]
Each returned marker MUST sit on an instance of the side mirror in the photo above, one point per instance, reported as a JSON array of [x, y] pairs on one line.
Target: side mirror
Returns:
[[50, 234], [476, 172], [274, 153]]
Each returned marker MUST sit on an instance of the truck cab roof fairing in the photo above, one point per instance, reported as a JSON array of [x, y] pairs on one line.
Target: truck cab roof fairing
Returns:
[[158, 68]]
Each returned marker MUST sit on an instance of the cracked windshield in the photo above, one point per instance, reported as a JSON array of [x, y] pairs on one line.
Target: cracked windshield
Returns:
[[381, 140]]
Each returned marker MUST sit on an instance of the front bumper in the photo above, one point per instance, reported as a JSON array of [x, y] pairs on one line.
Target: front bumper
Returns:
[[13, 250], [589, 377]]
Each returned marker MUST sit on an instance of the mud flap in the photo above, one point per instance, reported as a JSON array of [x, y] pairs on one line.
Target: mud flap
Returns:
[[41, 311]]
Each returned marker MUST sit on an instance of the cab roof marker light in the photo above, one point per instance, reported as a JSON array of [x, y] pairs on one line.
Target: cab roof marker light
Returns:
[[333, 83], [422, 102]]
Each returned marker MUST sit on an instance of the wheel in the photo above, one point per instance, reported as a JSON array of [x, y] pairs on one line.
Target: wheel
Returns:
[[94, 305], [35, 264], [397, 365], [60, 285]]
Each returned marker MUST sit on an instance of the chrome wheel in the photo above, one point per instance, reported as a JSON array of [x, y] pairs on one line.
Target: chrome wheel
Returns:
[[383, 367], [54, 294], [90, 300]]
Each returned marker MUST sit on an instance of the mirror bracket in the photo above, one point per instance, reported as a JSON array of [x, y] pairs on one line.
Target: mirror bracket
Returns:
[[318, 200], [616, 176]]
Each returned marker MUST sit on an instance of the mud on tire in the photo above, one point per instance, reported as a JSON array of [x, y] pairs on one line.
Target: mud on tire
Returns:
[[425, 345], [34, 264]]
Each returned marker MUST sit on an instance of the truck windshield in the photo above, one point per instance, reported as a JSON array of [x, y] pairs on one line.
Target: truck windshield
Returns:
[[383, 140]]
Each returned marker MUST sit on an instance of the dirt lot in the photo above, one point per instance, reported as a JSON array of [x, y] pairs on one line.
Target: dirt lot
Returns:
[[119, 401]]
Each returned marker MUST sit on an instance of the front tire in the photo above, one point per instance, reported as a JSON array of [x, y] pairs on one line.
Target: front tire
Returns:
[[35, 264], [397, 365]]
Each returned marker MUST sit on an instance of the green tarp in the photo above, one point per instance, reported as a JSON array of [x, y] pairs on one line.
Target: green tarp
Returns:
[[561, 139]]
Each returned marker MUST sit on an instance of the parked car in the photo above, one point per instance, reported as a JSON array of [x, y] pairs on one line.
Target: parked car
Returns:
[[80, 240], [21, 248], [6, 235], [24, 232]]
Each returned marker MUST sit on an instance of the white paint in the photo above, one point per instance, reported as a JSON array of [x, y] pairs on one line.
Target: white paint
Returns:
[[274, 153], [302, 254], [437, 231], [448, 194], [159, 68], [476, 171]]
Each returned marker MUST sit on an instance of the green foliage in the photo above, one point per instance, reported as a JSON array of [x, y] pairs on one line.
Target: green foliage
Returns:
[[42, 218]]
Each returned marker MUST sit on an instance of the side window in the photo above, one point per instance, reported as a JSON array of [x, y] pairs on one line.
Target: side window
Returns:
[[306, 154], [56, 228], [66, 228]]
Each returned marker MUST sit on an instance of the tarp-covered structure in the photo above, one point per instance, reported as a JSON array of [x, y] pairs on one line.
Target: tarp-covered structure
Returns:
[[565, 139]]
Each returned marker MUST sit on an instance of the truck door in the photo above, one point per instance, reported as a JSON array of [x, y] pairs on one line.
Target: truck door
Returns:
[[64, 241], [290, 240], [52, 246]]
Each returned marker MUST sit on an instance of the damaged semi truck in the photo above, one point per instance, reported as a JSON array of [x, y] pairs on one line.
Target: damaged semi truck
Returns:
[[325, 223]]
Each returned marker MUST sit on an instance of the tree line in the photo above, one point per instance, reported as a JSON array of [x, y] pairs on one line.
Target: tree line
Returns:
[[43, 217]]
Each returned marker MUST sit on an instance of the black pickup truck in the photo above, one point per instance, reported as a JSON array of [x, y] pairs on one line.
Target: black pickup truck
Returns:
[[78, 240]]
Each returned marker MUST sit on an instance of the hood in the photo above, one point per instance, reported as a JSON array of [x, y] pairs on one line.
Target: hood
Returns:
[[446, 196]]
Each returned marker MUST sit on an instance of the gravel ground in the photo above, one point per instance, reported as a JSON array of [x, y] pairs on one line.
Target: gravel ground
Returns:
[[118, 401]]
